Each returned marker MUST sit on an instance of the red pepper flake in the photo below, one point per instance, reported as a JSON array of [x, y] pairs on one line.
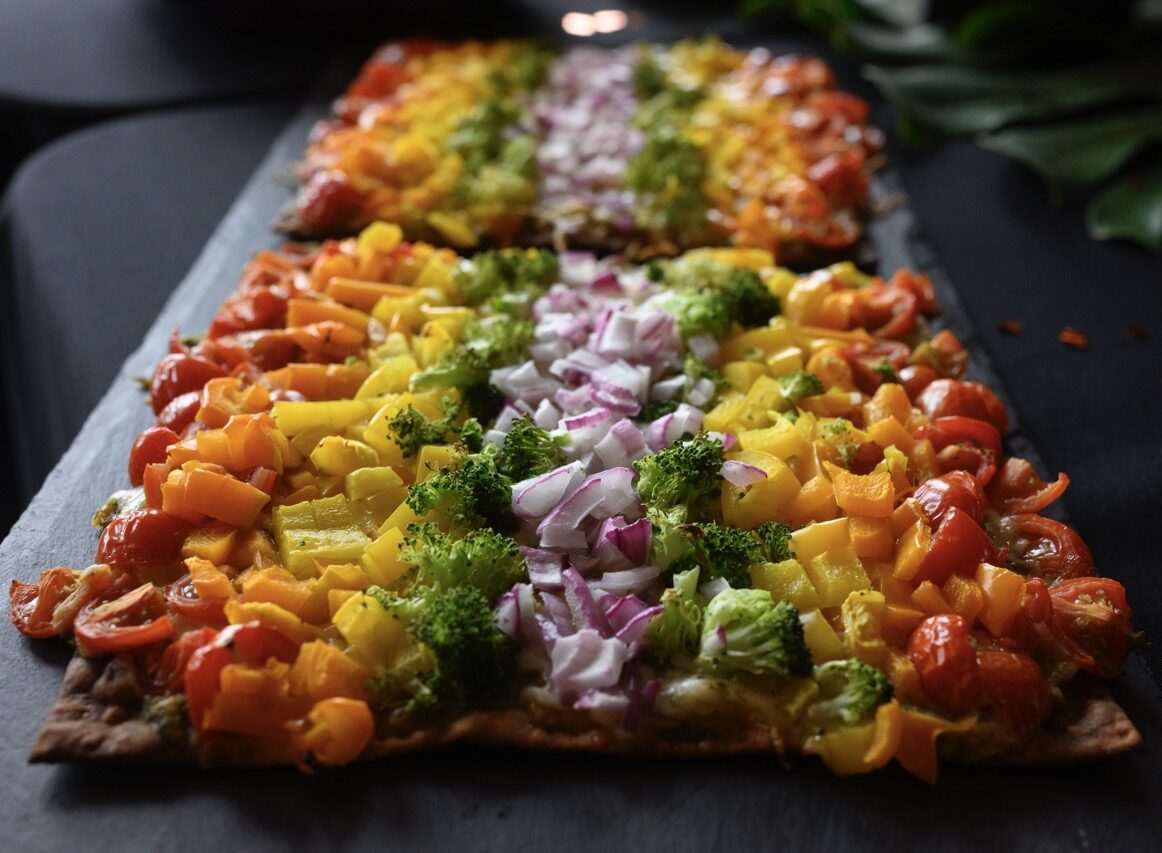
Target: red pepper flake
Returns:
[[1073, 338], [1137, 332], [1012, 327]]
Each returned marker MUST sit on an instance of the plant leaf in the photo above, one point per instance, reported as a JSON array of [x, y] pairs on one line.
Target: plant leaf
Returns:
[[1130, 209], [1076, 154], [916, 43], [956, 100]]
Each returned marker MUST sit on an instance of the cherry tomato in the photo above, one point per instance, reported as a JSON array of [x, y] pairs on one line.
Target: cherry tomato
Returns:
[[958, 546], [133, 621], [956, 489], [183, 600], [947, 353], [1015, 688], [180, 412], [177, 374], [915, 378], [327, 201], [260, 308], [955, 397], [143, 541], [1018, 489], [166, 672], [841, 178], [1047, 548], [1092, 617], [149, 447], [964, 443], [941, 650], [250, 643], [33, 604], [874, 364]]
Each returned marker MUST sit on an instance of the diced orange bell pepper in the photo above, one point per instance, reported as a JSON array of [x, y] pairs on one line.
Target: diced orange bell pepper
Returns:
[[917, 746], [278, 586], [202, 492], [871, 495], [254, 701], [304, 312], [328, 340], [338, 730], [872, 538], [1003, 593], [363, 295], [889, 401], [226, 396], [322, 671]]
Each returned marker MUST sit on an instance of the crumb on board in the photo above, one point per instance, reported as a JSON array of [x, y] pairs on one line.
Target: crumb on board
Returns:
[[1011, 327], [1071, 337]]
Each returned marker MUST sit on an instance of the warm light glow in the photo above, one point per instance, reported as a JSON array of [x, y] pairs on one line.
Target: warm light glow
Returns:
[[584, 25]]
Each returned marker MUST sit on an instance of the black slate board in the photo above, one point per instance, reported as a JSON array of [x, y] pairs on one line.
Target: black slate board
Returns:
[[467, 798]]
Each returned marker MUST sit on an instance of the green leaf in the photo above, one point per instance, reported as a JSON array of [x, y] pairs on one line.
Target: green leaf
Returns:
[[1130, 209], [918, 43], [1077, 154], [956, 100]]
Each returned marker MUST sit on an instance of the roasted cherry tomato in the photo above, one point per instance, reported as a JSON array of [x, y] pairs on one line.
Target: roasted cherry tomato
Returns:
[[956, 489], [1018, 489], [327, 201], [1046, 548], [183, 600], [178, 373], [180, 412], [888, 310], [149, 447], [250, 643], [135, 620], [941, 650], [34, 603], [144, 541], [1093, 620], [955, 397], [166, 672], [958, 546], [259, 308], [915, 378], [965, 444], [874, 364], [1015, 688]]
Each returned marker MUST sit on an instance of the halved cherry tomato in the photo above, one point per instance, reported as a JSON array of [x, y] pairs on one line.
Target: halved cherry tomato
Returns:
[[1092, 618], [955, 397], [180, 412], [956, 489], [145, 541], [958, 546], [183, 600], [135, 620], [32, 604], [259, 308], [874, 364], [964, 443], [327, 201], [177, 374], [1046, 548], [250, 643], [166, 672], [1018, 489], [915, 378], [1015, 688], [941, 650], [946, 354], [888, 310], [149, 447]]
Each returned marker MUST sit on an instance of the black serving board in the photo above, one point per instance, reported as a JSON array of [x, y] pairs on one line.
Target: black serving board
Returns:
[[476, 799]]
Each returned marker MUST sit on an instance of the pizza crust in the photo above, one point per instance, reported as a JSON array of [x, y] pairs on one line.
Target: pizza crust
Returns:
[[99, 716]]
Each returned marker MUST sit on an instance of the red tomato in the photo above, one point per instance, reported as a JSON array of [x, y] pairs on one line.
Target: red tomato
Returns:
[[261, 308], [135, 620], [183, 600], [327, 201], [165, 674], [873, 364], [956, 489], [1018, 489], [916, 377], [177, 374], [143, 541], [1092, 618], [949, 351], [888, 310], [250, 643], [954, 397], [1015, 688], [32, 604], [841, 179], [180, 412], [964, 443], [1047, 548], [959, 545], [941, 650], [149, 447]]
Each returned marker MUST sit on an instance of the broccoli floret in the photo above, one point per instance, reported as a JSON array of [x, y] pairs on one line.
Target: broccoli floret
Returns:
[[472, 436], [479, 135], [774, 541], [459, 659], [529, 450], [470, 493], [655, 409], [411, 430], [745, 630], [721, 552], [850, 691], [840, 434], [752, 303], [707, 296], [460, 367], [686, 474], [696, 369], [669, 544], [484, 559], [885, 370], [800, 384], [648, 77], [667, 174], [501, 340], [698, 312], [674, 632], [506, 271]]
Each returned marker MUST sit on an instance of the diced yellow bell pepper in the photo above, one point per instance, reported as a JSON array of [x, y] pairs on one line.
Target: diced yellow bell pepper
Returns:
[[381, 558], [863, 620], [391, 377], [816, 538], [1003, 594], [339, 456], [239, 611], [374, 633], [836, 574], [821, 638], [786, 580], [740, 375], [213, 543]]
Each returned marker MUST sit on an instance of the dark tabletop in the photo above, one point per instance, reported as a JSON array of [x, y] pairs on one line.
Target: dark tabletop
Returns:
[[74, 227]]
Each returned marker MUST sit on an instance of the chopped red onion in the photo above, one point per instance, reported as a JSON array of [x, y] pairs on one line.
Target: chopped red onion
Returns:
[[622, 444], [583, 607], [629, 580], [536, 496], [669, 388], [633, 540], [741, 474], [585, 661], [544, 567], [712, 587], [635, 629], [704, 347], [524, 382], [684, 420], [607, 707]]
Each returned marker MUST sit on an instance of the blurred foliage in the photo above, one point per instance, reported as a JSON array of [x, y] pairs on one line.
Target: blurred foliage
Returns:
[[1072, 89]]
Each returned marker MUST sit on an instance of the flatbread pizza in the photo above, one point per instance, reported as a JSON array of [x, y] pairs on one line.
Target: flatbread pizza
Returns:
[[396, 498]]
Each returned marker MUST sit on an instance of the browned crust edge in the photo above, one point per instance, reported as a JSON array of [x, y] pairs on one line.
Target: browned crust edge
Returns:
[[98, 717]]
